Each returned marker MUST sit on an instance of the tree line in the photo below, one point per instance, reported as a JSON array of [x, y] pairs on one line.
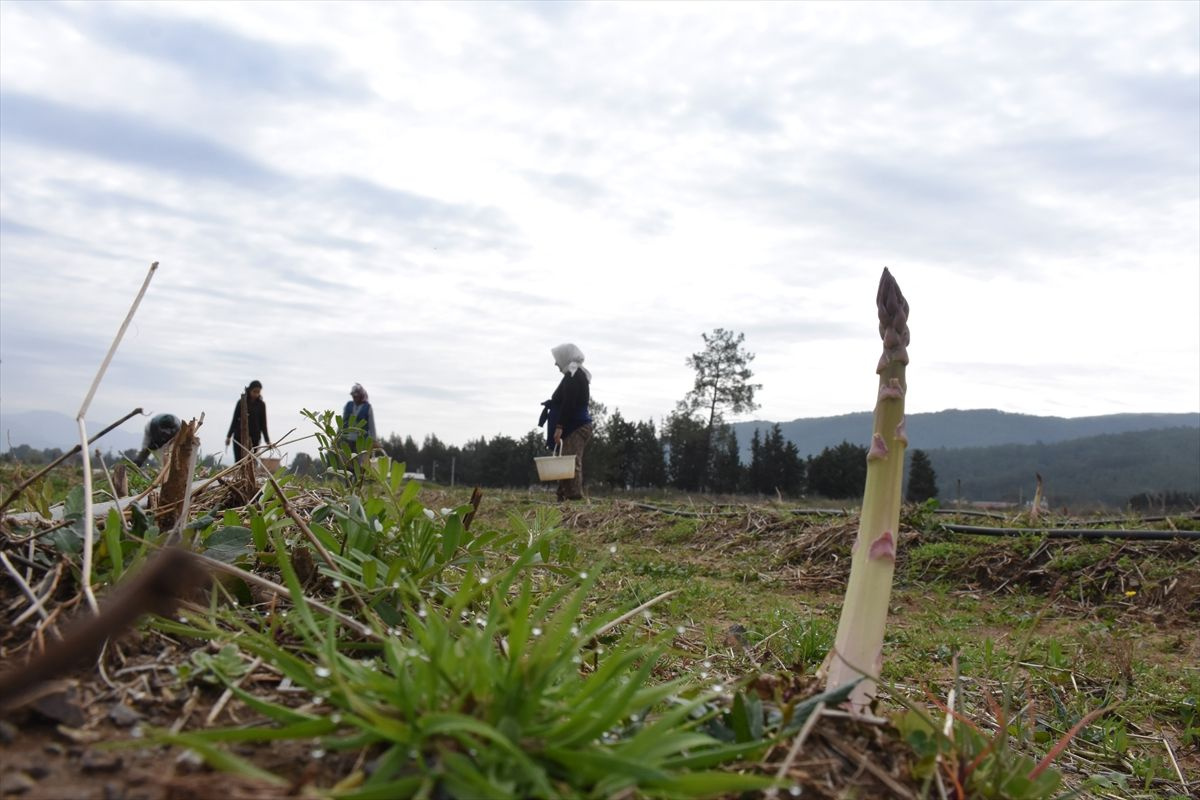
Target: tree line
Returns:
[[694, 449]]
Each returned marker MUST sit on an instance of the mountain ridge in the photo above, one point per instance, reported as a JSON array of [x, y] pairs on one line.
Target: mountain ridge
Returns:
[[960, 428]]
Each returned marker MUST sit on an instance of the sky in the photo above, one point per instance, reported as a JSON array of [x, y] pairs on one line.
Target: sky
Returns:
[[425, 198]]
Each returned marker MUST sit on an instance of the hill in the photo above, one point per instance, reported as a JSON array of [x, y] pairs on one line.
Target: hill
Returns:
[[46, 429], [956, 428], [1096, 470]]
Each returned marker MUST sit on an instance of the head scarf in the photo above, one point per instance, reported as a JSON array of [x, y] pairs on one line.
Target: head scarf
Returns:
[[356, 391], [568, 358]]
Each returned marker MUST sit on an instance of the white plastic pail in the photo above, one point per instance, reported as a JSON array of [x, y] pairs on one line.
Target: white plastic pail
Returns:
[[556, 467]]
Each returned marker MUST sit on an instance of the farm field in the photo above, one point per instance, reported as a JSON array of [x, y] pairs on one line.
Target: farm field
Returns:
[[622, 646]]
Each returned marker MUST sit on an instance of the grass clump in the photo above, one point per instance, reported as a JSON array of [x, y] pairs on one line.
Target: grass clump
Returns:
[[491, 673]]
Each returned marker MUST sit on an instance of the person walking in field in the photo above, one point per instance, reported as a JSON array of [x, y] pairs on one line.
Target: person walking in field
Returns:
[[570, 421], [256, 416]]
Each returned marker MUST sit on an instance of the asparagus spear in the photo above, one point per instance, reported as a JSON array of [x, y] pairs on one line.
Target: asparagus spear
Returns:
[[858, 649]]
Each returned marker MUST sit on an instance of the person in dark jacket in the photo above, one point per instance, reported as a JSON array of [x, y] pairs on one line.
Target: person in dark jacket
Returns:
[[160, 430], [256, 416], [570, 421]]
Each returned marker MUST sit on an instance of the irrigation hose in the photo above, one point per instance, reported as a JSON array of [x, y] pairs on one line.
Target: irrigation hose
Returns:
[[1073, 533]]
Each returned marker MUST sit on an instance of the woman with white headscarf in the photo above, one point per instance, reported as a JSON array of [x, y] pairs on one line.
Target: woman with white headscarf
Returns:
[[358, 409], [570, 422]]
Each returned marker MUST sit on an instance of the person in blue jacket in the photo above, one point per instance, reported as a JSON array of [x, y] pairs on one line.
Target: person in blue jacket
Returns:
[[567, 414], [358, 407]]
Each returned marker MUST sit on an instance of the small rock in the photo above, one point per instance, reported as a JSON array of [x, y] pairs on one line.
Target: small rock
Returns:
[[101, 762], [78, 735], [123, 716], [38, 771], [62, 706], [15, 783], [114, 791], [8, 732], [55, 749]]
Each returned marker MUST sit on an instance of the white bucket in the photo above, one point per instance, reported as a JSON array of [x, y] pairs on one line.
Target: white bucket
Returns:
[[556, 467]]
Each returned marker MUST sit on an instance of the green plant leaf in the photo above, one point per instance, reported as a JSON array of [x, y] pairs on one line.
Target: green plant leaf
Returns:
[[229, 544]]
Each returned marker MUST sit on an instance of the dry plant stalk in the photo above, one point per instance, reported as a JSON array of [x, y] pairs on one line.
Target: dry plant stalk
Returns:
[[88, 523], [1035, 510], [174, 495]]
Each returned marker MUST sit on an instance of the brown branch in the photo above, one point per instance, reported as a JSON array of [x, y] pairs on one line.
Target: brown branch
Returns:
[[155, 589]]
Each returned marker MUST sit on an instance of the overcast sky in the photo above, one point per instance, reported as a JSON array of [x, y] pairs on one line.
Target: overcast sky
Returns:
[[426, 197]]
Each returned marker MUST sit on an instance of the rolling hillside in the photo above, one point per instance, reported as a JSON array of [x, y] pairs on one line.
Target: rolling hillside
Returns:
[[1096, 470], [955, 428]]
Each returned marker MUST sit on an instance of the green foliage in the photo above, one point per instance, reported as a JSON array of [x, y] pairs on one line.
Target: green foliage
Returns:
[[985, 766], [687, 445], [839, 472], [775, 465], [635, 454], [491, 680], [488, 671], [722, 385], [344, 446], [722, 377]]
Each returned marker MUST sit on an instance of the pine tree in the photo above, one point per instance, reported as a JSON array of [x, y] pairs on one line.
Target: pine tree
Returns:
[[922, 480], [775, 464], [722, 384], [651, 461], [726, 463], [687, 444]]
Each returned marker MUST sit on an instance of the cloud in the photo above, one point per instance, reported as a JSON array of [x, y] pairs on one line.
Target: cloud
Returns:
[[427, 197], [10, 227], [214, 54], [133, 141], [568, 187]]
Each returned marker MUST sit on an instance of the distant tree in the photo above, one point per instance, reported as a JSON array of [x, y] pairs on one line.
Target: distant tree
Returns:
[[468, 470], [598, 456], [598, 412], [651, 461], [722, 384], [621, 439], [726, 475], [504, 463], [25, 454], [775, 464], [1164, 502], [304, 465], [434, 456], [922, 480], [687, 445], [838, 472], [533, 445]]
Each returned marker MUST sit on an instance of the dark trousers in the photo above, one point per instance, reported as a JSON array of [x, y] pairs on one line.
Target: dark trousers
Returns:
[[238, 451], [575, 444]]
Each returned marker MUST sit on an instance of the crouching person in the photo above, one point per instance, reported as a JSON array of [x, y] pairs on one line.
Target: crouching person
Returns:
[[159, 432]]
